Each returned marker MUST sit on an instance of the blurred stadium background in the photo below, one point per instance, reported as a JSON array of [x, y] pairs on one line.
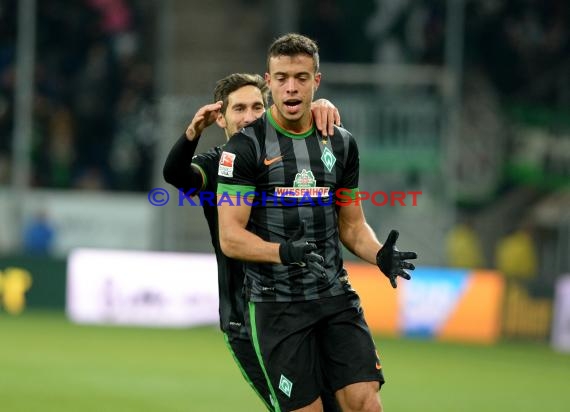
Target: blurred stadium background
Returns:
[[466, 101]]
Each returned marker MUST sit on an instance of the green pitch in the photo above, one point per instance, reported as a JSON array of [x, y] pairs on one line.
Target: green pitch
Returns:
[[48, 364]]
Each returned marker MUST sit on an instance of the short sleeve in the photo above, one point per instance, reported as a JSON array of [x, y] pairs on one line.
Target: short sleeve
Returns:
[[207, 164], [238, 165], [351, 171]]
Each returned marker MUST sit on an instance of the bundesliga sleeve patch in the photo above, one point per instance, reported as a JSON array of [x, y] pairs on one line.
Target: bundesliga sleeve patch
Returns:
[[226, 166]]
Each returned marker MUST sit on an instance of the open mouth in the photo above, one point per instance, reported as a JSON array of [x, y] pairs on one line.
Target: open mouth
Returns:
[[292, 105]]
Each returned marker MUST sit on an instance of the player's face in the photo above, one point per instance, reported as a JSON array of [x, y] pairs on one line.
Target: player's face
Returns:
[[293, 82], [245, 105]]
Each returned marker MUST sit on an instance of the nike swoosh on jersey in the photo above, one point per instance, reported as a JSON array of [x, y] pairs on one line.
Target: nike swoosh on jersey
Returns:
[[268, 162]]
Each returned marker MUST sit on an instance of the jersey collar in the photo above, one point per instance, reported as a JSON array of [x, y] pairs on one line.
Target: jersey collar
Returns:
[[287, 133]]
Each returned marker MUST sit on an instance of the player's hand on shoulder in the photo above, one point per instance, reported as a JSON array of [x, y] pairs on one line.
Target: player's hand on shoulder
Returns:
[[392, 262], [326, 116], [204, 117]]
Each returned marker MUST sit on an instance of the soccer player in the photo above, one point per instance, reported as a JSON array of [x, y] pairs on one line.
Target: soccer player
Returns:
[[302, 311], [239, 100]]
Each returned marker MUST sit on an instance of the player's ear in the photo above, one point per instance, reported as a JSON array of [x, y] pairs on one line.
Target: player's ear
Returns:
[[317, 80], [221, 121]]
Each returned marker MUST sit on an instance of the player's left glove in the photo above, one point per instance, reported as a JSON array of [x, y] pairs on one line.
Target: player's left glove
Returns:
[[392, 262]]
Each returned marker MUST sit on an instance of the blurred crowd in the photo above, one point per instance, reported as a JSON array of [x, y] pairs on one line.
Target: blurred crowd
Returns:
[[522, 45], [94, 112], [93, 93]]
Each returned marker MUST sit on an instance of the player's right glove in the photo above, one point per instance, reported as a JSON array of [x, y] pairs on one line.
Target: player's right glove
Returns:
[[392, 262], [298, 251]]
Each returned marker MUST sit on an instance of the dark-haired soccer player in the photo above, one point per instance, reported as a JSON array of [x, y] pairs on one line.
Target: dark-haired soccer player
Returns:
[[239, 100], [302, 310]]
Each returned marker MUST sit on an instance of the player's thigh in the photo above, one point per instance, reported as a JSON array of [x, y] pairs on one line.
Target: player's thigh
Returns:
[[285, 336], [348, 346], [246, 358]]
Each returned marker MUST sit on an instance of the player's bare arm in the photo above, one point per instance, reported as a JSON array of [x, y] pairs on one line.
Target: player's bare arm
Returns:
[[359, 238], [239, 243], [356, 234], [204, 117]]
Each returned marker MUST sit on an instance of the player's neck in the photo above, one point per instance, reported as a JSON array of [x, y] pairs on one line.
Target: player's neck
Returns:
[[303, 125]]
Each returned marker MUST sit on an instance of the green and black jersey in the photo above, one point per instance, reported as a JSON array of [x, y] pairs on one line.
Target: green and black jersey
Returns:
[[291, 178], [201, 177]]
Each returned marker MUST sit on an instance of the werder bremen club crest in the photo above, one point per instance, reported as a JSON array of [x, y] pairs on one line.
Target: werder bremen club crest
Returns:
[[328, 159], [304, 179]]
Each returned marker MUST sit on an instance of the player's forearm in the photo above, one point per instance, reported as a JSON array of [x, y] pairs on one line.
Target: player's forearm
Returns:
[[243, 245], [361, 241]]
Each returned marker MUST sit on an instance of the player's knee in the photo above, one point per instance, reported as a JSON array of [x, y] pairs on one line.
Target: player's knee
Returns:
[[364, 399], [369, 403]]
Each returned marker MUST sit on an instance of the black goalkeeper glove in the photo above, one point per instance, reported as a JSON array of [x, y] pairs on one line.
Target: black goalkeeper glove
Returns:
[[297, 251], [392, 262]]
